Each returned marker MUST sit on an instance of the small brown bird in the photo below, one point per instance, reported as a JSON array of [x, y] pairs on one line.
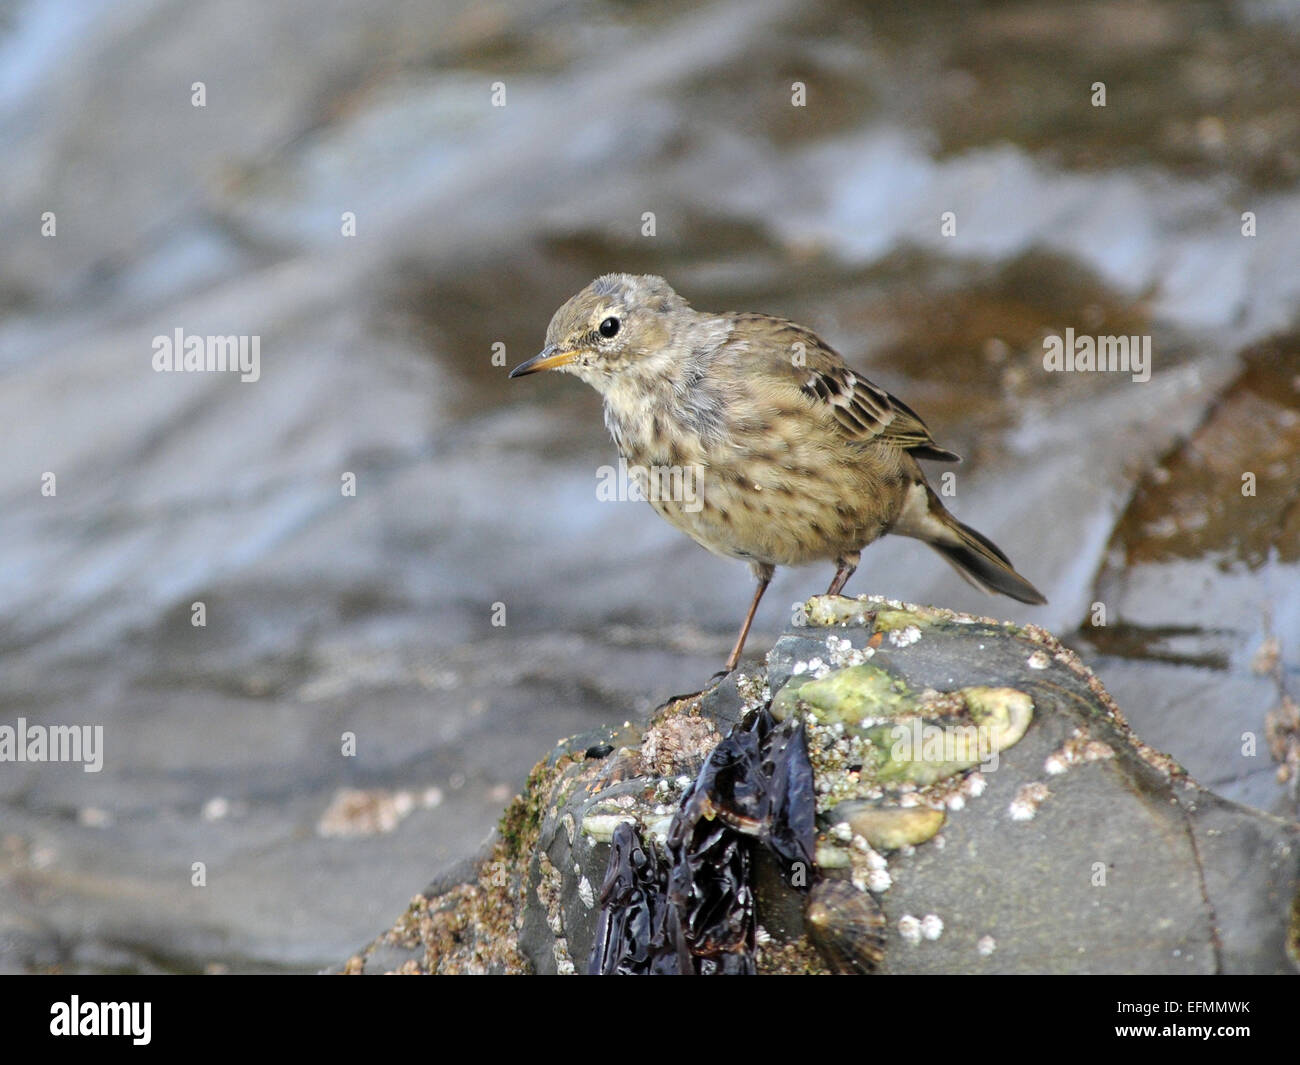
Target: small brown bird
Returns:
[[770, 448]]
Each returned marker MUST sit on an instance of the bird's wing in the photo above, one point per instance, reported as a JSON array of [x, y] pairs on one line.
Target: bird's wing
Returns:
[[862, 411]]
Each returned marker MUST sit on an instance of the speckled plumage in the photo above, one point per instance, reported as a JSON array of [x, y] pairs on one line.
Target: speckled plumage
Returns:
[[798, 458]]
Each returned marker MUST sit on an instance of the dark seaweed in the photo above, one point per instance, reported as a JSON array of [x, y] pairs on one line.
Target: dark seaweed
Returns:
[[694, 913], [631, 903]]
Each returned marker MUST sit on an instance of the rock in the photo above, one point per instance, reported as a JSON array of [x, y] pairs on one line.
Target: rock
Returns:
[[1193, 621], [1069, 846], [369, 613]]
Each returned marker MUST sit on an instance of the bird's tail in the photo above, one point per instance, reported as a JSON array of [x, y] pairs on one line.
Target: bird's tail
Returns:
[[977, 558]]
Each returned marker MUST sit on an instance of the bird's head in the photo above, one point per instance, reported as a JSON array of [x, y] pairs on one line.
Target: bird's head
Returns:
[[619, 324]]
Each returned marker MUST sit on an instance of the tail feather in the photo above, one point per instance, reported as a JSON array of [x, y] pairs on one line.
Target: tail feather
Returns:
[[977, 558], [988, 571]]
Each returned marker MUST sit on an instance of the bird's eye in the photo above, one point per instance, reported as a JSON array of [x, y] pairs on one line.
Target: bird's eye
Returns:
[[609, 327]]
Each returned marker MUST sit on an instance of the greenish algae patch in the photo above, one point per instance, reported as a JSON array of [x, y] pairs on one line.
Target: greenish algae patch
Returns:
[[923, 751], [897, 620], [886, 615], [869, 730], [522, 820], [887, 828], [926, 754], [848, 696], [1005, 712]]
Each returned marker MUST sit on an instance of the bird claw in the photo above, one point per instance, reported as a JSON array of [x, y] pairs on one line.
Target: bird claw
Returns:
[[714, 680]]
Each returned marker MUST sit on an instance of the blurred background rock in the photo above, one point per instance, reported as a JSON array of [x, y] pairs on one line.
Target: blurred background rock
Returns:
[[328, 614]]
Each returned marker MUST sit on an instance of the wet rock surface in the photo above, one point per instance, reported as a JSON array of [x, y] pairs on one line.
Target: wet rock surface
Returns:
[[1198, 588], [1073, 847], [372, 614]]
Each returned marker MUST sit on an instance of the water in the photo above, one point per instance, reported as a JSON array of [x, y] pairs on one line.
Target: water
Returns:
[[330, 614]]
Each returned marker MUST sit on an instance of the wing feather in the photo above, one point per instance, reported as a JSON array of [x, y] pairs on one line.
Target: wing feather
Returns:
[[862, 411]]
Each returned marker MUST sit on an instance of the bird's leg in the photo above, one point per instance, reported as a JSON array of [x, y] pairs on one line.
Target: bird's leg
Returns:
[[764, 575], [843, 571]]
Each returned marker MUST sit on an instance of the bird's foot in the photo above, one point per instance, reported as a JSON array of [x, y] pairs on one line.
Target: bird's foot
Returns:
[[714, 680]]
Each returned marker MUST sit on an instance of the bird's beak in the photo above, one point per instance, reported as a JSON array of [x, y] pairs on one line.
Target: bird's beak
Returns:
[[549, 359]]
